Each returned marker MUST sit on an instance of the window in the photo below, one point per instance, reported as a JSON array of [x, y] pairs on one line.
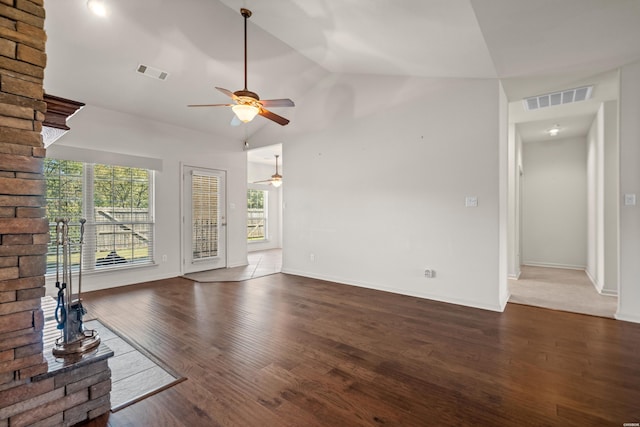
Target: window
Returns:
[[256, 215], [117, 203]]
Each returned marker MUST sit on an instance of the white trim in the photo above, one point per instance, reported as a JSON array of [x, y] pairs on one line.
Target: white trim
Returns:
[[515, 276], [627, 317], [457, 301], [594, 282], [551, 265], [64, 152], [609, 293], [503, 303]]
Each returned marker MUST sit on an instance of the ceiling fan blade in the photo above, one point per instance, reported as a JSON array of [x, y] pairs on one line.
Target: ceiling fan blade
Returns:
[[227, 92], [210, 105], [235, 121], [277, 103], [273, 116], [264, 180]]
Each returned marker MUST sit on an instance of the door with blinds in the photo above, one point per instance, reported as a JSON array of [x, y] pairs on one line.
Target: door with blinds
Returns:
[[204, 241]]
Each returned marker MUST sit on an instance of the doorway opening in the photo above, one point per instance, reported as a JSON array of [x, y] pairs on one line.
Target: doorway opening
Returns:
[[264, 199], [563, 199]]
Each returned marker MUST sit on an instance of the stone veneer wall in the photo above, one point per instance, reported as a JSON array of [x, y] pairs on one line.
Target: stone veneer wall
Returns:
[[24, 230], [29, 393]]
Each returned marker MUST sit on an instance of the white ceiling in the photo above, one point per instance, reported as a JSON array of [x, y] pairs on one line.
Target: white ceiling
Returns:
[[534, 46]]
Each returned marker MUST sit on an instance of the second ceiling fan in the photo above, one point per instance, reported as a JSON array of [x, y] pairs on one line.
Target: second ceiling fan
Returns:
[[276, 179], [248, 104]]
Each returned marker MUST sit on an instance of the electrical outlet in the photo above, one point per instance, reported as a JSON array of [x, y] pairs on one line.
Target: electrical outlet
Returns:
[[429, 273], [164, 258], [312, 257]]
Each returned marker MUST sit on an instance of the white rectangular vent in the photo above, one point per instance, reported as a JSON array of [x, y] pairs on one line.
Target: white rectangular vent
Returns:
[[152, 72], [558, 98]]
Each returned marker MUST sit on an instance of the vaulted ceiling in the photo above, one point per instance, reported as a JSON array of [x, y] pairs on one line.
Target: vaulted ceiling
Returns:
[[532, 46]]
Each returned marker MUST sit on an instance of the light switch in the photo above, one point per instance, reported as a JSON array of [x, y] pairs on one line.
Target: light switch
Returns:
[[232, 205], [471, 201], [629, 199]]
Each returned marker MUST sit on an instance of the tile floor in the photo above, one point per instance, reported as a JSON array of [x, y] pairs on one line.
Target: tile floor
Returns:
[[261, 263]]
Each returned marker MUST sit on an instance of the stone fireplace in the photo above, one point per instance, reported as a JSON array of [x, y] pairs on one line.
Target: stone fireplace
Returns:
[[33, 390]]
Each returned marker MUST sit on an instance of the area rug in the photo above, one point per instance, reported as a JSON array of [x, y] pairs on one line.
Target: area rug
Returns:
[[135, 374]]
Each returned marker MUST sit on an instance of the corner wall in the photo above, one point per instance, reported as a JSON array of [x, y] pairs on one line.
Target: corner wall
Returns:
[[375, 199], [629, 292]]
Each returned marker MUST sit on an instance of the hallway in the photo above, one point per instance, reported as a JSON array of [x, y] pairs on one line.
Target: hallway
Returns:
[[560, 289]]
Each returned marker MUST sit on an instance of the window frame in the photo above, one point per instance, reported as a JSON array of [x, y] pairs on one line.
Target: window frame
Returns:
[[265, 210], [90, 259]]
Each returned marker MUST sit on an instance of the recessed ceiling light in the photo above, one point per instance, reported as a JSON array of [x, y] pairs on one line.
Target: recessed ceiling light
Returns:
[[98, 7], [554, 131]]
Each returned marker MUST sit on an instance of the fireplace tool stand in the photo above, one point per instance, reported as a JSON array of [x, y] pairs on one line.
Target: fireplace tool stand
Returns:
[[74, 338]]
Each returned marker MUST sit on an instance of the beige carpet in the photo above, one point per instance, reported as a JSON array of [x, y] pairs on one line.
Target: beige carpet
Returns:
[[560, 289], [261, 263]]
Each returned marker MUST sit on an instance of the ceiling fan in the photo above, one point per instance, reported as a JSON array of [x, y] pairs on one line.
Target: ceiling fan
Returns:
[[248, 104], [276, 178]]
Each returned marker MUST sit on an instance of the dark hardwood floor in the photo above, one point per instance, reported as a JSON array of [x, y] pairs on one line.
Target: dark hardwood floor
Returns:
[[289, 351]]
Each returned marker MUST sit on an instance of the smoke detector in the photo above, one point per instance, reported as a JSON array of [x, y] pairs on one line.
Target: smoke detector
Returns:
[[154, 73], [558, 98]]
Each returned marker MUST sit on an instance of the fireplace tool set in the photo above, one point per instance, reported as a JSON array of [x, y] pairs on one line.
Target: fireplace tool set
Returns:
[[74, 337]]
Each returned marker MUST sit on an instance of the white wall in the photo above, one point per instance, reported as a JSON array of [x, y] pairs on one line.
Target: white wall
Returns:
[[259, 172], [514, 179], [503, 194], [592, 201], [596, 176], [378, 195], [629, 291], [611, 198], [106, 130], [555, 202]]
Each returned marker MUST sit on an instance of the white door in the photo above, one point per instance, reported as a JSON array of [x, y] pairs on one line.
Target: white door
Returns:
[[204, 240]]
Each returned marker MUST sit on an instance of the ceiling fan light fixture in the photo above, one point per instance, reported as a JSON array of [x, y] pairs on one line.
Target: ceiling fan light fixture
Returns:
[[244, 112], [276, 182]]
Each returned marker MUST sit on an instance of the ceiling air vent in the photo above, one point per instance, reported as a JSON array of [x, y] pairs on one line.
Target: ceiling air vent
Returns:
[[152, 72], [558, 98]]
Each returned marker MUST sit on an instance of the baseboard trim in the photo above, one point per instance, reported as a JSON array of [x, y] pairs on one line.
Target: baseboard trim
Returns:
[[609, 293], [627, 317], [549, 265], [457, 301], [515, 276], [593, 280], [505, 300]]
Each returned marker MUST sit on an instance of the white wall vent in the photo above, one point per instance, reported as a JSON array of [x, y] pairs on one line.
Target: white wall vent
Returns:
[[558, 98], [152, 72]]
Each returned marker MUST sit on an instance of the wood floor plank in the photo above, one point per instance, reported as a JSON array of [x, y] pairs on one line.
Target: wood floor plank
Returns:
[[285, 350]]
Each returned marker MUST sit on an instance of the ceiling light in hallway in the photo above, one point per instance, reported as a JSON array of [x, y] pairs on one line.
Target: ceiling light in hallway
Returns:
[[98, 7]]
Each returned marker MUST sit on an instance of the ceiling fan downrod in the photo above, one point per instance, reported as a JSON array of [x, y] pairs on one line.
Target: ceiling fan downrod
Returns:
[[247, 14]]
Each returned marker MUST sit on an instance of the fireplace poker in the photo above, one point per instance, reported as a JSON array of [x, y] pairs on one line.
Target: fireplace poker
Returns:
[[61, 311]]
